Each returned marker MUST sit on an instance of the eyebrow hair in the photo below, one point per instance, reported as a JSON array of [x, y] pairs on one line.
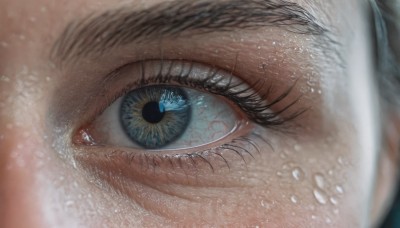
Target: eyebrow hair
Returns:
[[97, 34]]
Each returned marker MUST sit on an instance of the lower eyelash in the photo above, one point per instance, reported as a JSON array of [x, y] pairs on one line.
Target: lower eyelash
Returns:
[[243, 148]]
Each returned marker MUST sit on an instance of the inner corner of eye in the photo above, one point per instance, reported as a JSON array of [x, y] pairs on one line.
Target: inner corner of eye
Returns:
[[163, 117]]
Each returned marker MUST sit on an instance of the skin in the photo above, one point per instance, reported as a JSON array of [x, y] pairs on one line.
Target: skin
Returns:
[[323, 174]]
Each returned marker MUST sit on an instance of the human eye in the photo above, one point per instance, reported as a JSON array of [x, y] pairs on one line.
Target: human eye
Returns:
[[181, 105], [176, 111]]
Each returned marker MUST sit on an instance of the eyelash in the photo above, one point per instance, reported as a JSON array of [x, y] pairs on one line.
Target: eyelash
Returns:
[[209, 157], [247, 99]]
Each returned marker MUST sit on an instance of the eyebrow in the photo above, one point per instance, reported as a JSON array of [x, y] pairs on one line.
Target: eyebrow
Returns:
[[98, 34]]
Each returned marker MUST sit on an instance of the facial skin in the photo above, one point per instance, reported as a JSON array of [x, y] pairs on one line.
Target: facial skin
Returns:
[[316, 170]]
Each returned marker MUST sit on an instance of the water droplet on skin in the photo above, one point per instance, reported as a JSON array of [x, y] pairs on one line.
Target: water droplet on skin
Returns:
[[319, 91], [320, 196], [313, 217], [298, 174], [293, 199], [259, 47], [339, 189], [328, 221], [340, 160], [333, 200], [297, 147], [69, 203], [74, 164], [319, 181], [266, 204], [336, 211], [312, 90], [274, 43]]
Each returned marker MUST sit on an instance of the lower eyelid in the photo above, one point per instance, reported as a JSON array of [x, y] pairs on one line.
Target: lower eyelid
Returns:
[[170, 167]]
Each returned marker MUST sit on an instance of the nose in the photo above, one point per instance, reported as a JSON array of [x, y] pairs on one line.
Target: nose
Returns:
[[19, 173]]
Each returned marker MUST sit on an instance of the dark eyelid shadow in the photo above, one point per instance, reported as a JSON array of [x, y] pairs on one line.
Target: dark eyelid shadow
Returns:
[[98, 34]]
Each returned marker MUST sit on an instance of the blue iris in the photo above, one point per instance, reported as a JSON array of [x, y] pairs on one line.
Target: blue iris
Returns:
[[155, 116]]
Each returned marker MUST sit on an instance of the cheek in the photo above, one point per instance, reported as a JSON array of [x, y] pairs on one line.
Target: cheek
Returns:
[[303, 182]]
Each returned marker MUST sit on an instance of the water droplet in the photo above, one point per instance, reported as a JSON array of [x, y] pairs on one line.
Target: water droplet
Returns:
[[274, 43], [69, 203], [319, 180], [293, 199], [297, 147], [333, 200], [312, 90], [319, 91], [339, 189], [265, 204], [328, 221], [336, 211], [298, 174], [320, 196], [258, 47], [340, 160], [313, 217]]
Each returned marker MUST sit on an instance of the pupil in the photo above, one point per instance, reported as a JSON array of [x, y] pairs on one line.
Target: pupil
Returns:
[[151, 112]]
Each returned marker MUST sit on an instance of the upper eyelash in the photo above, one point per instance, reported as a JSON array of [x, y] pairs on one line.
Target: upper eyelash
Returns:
[[247, 99]]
